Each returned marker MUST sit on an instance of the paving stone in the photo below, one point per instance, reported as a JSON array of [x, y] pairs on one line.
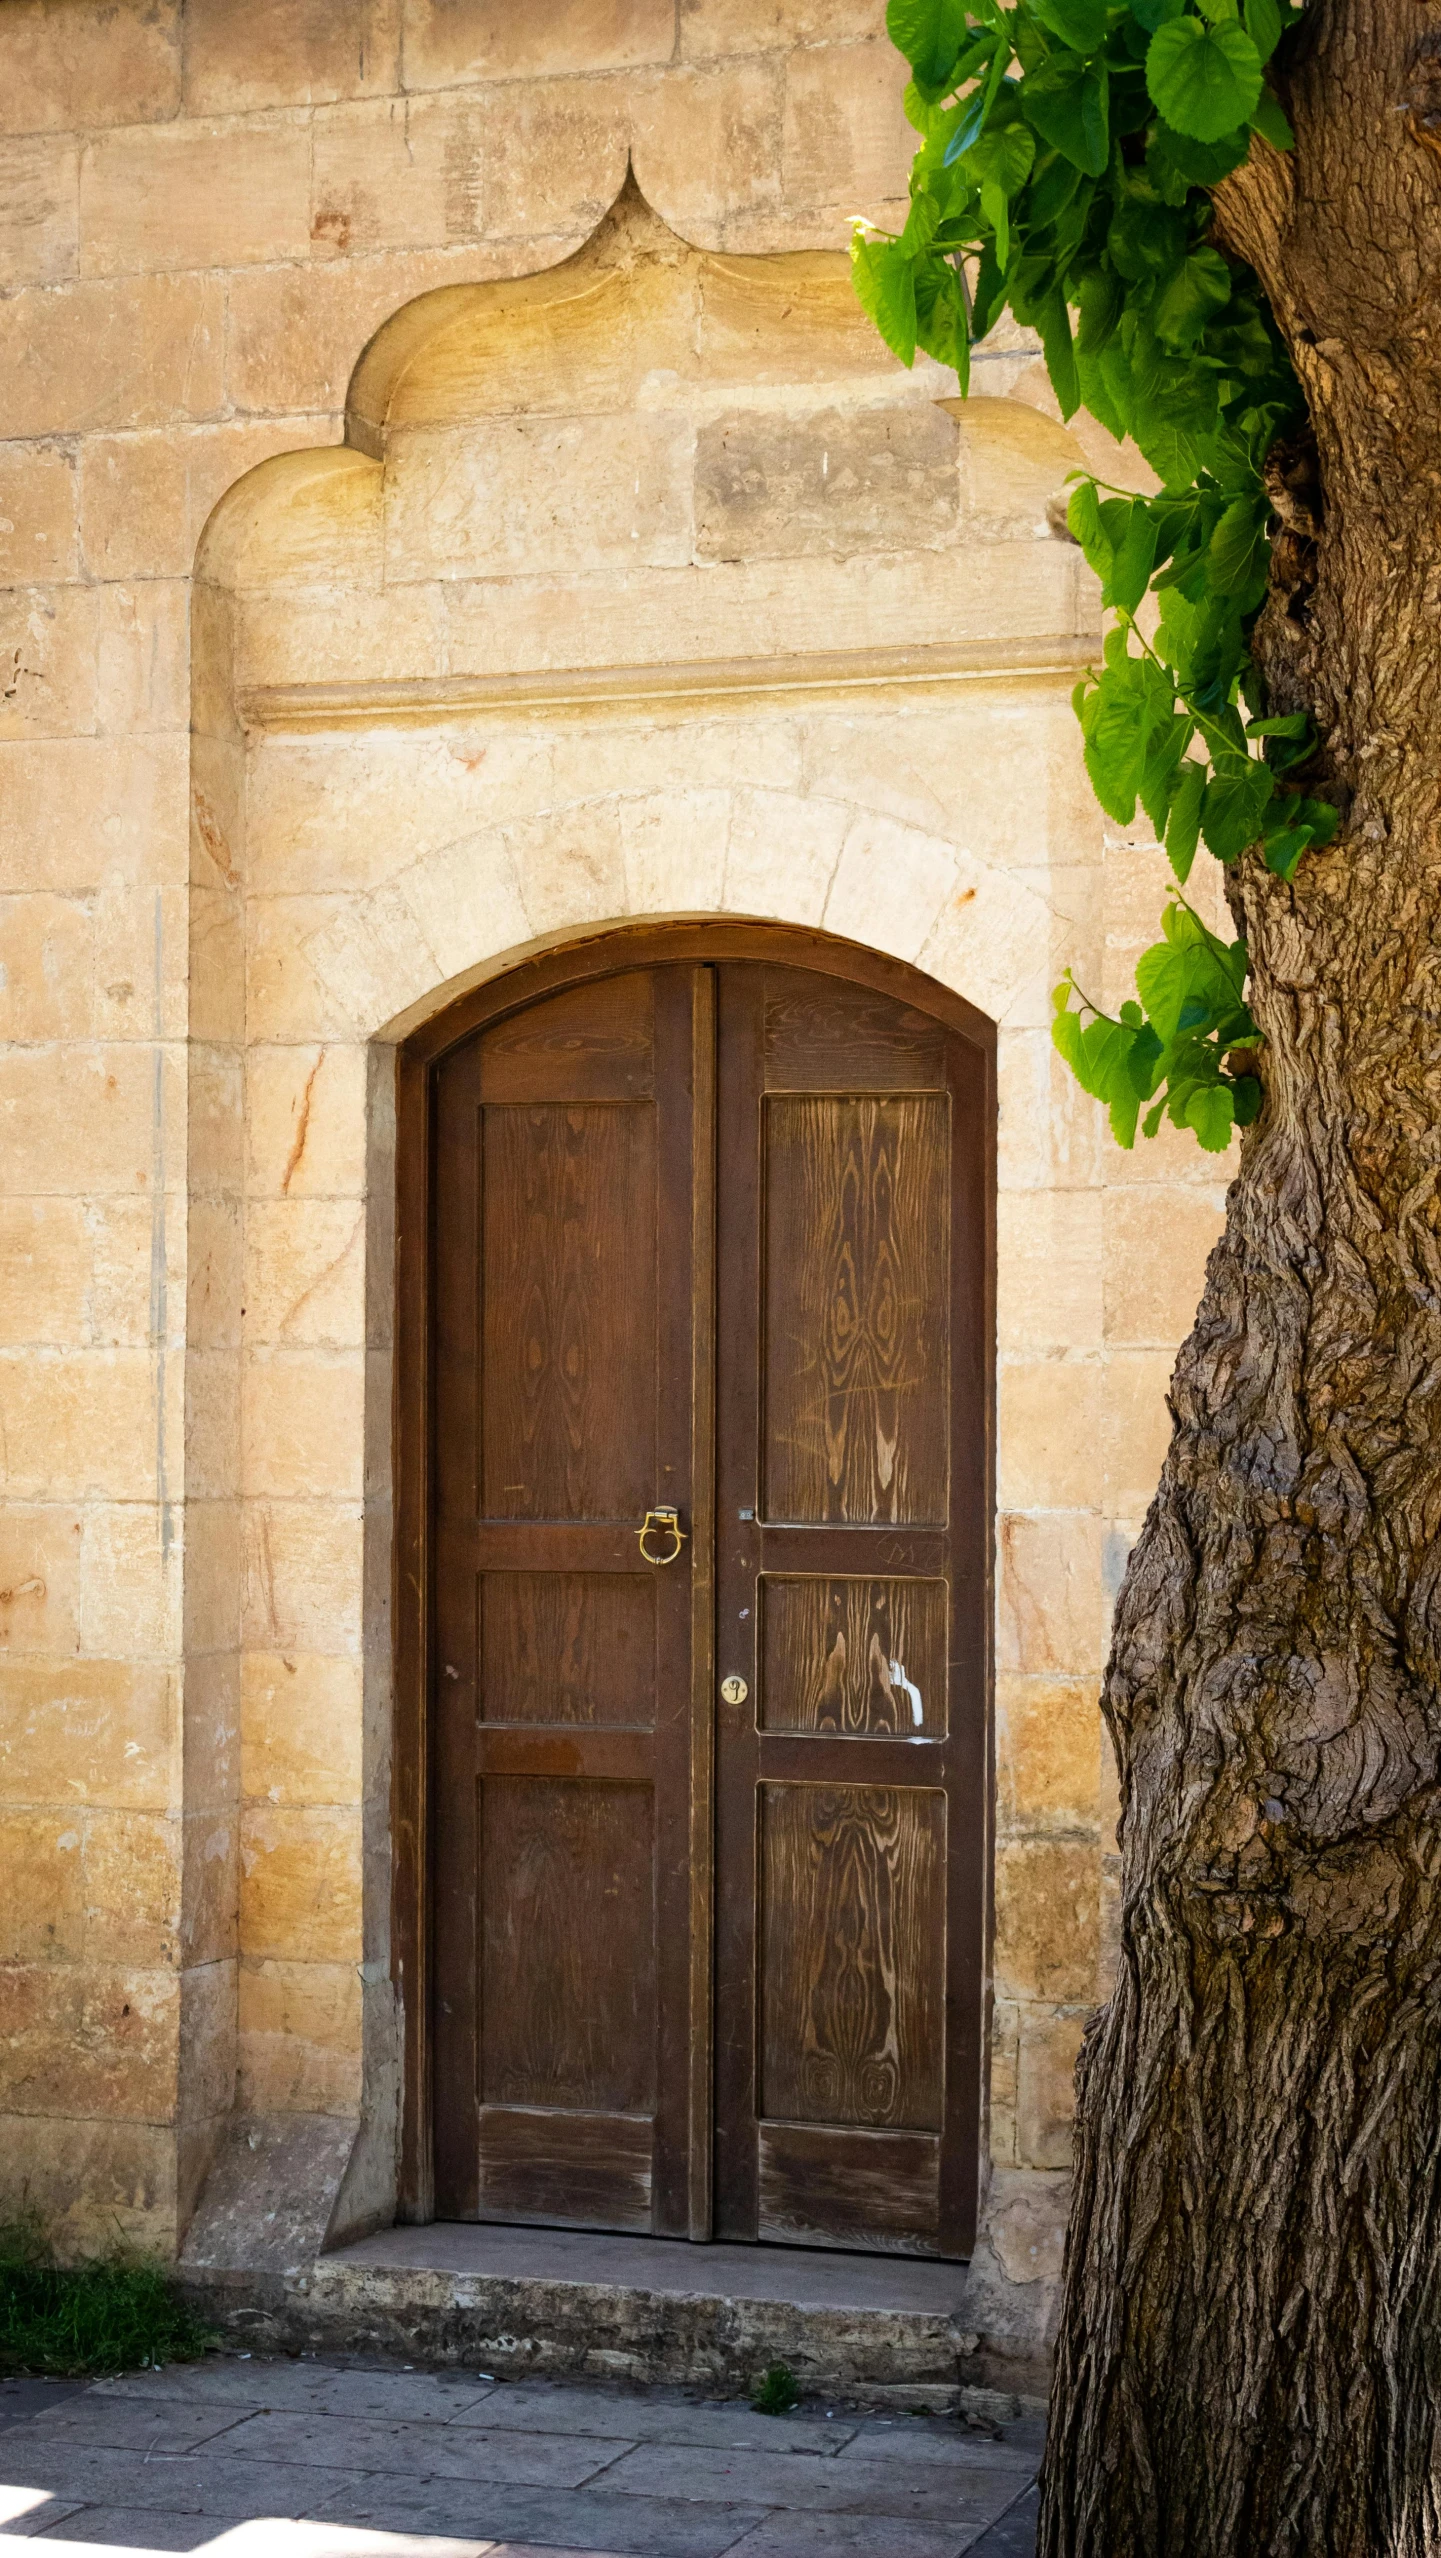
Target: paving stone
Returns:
[[946, 2445], [44, 2515], [909, 2490], [22, 2399], [852, 2536], [423, 2451], [1014, 2535], [132, 2424], [615, 2526], [266, 2382], [203, 2484], [535, 2407], [129, 2527]]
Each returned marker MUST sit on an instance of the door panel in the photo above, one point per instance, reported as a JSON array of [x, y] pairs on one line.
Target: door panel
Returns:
[[795, 1166], [852, 1504], [565, 1401]]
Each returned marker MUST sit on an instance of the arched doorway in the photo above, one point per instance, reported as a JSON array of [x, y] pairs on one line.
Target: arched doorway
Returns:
[[696, 1222]]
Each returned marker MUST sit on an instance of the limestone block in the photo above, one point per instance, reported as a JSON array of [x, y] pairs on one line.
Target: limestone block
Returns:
[[305, 1273], [1156, 1245], [131, 1868], [782, 853], [287, 998], [1048, 1752], [37, 515], [154, 198], [710, 27], [87, 62], [986, 936], [1001, 2080], [129, 1582], [87, 2040], [212, 1734], [454, 40], [683, 746], [531, 495], [303, 1419], [1014, 465], [39, 1577], [295, 333], [1049, 1434], [793, 318], [996, 766], [399, 173], [554, 161], [207, 2042], [145, 497], [300, 1884], [300, 2037], [210, 1914], [304, 1130], [303, 1565], [889, 885], [136, 351], [1046, 2088], [1137, 1429], [1047, 1920], [215, 1129], [1048, 1270], [39, 210], [569, 865], [87, 1732], [214, 1275], [287, 53], [42, 1909], [319, 816], [212, 1424], [81, 1421], [145, 962], [212, 1575], [301, 1728], [75, 811], [675, 851], [45, 1260], [706, 143], [1050, 1134], [298, 518], [1050, 1612], [829, 481], [846, 138]]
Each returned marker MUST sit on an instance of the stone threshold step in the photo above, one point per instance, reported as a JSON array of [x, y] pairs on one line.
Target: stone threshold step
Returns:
[[887, 2331]]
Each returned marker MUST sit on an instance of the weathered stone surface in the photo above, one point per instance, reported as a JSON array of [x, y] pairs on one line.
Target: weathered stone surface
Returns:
[[788, 487]]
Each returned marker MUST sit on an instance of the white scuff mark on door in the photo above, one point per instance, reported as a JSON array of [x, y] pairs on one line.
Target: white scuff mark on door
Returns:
[[899, 1680]]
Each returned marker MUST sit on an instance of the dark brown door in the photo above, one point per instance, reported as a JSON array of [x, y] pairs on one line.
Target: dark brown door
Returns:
[[565, 1379], [852, 1528], [796, 1167]]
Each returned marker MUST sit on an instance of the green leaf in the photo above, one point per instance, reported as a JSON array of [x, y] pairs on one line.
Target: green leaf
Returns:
[[930, 33], [1263, 26], [885, 285], [1268, 117], [1238, 555], [1183, 826], [1067, 102], [1232, 809], [942, 320], [1005, 154], [1081, 24], [1199, 288], [1054, 323], [1101, 299], [1204, 80], [1211, 1113]]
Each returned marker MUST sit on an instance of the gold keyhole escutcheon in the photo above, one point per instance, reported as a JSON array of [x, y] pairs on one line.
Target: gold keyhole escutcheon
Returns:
[[661, 1523], [734, 1691]]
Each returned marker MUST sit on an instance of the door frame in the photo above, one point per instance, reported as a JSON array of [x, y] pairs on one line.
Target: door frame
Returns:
[[601, 954]]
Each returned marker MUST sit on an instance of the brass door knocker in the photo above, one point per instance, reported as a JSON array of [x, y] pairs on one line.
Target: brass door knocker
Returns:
[[667, 1523]]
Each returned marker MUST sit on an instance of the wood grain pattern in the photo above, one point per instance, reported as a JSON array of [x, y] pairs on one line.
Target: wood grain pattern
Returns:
[[593, 1043], [822, 1035], [851, 1656], [862, 2189], [593, 2169], [567, 1647], [852, 1888], [856, 1308], [567, 1923], [568, 1257]]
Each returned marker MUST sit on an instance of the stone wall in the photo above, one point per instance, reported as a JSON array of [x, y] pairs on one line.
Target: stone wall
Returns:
[[210, 943]]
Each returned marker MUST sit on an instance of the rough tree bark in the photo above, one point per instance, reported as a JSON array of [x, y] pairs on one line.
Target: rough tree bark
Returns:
[[1249, 2359]]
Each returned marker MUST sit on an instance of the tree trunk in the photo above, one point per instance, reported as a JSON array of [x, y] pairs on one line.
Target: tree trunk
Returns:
[[1249, 2359]]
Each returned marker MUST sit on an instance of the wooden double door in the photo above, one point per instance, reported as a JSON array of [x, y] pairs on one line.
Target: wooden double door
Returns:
[[709, 1236]]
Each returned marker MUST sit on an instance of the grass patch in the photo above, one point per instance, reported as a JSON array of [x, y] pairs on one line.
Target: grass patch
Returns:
[[776, 2391], [112, 2313]]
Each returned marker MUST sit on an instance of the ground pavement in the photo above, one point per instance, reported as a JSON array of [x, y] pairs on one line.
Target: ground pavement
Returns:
[[242, 2457]]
